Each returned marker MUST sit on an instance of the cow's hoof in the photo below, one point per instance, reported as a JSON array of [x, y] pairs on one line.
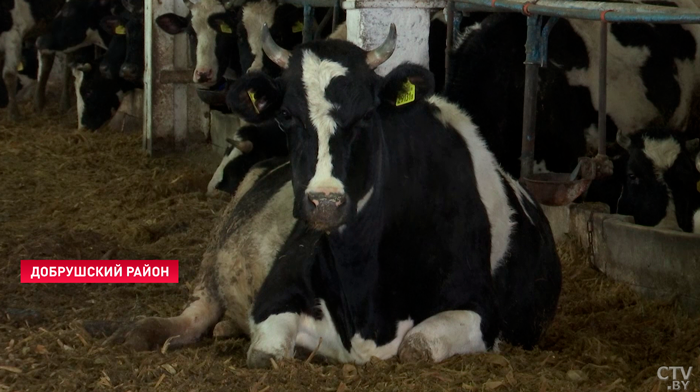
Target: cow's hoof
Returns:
[[259, 359], [143, 335], [415, 348]]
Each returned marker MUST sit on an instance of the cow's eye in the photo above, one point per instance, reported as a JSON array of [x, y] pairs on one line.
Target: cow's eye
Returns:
[[632, 177], [368, 116]]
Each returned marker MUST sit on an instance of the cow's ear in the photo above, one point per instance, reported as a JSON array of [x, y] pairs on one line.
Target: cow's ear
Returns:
[[172, 24], [113, 25], [256, 97], [221, 23], [406, 84]]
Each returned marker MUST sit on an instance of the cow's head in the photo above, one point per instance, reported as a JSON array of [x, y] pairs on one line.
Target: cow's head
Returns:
[[77, 25], [114, 25], [214, 50], [252, 144], [660, 170], [327, 102], [285, 24], [98, 97]]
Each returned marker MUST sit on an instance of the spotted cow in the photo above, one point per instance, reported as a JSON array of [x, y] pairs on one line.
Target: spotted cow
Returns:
[[19, 19]]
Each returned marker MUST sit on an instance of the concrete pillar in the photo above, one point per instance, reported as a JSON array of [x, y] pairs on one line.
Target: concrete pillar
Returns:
[[368, 24]]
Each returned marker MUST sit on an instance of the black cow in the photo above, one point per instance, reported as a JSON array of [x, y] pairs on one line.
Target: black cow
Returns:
[[20, 19], [124, 57], [398, 252]]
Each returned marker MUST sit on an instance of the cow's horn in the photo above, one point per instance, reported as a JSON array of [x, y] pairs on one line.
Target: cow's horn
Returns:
[[279, 55], [382, 53], [623, 140]]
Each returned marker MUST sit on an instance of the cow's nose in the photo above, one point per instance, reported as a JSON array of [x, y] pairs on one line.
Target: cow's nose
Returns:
[[128, 72], [105, 71], [202, 76], [326, 211]]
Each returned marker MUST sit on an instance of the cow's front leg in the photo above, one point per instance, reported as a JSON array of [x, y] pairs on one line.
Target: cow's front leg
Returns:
[[446, 334], [273, 337]]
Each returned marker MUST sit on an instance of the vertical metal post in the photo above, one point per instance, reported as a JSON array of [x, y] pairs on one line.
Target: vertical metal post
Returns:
[[308, 23], [148, 78], [456, 22], [336, 15], [602, 89], [532, 66], [450, 32]]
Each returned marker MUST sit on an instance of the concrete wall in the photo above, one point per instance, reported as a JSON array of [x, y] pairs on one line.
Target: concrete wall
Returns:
[[658, 263]]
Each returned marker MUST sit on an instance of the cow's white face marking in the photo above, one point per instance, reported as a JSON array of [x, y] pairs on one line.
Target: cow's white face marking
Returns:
[[219, 173], [662, 153], [80, 104], [540, 167], [488, 181], [316, 76], [206, 39], [448, 333], [255, 15]]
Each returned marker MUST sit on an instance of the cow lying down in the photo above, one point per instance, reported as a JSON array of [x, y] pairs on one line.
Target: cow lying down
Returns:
[[410, 239]]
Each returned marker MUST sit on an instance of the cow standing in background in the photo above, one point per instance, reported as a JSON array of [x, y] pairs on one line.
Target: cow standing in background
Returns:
[[18, 18], [653, 83], [76, 26]]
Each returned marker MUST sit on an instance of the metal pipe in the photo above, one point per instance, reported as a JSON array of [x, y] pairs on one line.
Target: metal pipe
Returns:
[[148, 18], [336, 15], [589, 10], [456, 22], [448, 44], [307, 34], [532, 66], [324, 23], [602, 89]]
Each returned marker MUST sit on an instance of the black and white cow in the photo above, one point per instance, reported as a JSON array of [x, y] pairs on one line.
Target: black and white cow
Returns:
[[396, 251], [98, 97], [18, 18], [215, 52], [651, 79], [656, 180], [76, 26], [251, 144], [26, 73], [651, 82]]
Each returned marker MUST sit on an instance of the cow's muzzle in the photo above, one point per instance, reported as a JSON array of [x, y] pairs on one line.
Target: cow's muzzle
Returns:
[[326, 211]]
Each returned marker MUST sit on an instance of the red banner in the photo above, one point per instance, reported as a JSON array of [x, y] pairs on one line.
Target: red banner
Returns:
[[99, 271]]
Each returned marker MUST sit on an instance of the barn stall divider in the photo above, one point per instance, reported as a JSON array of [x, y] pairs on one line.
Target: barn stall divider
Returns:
[[657, 262]]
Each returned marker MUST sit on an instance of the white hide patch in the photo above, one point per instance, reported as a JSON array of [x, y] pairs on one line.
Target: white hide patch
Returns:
[[627, 104], [449, 333], [520, 193], [11, 40], [206, 38], [462, 37], [311, 330], [275, 335], [540, 167], [255, 15], [92, 37], [696, 222], [662, 153], [316, 76], [219, 173], [80, 104], [488, 180]]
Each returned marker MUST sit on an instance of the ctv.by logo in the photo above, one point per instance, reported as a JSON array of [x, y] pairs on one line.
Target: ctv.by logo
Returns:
[[676, 384]]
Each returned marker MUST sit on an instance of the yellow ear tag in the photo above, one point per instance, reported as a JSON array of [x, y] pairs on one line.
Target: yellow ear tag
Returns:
[[251, 95], [20, 67], [225, 28], [298, 27], [408, 94], [120, 30]]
